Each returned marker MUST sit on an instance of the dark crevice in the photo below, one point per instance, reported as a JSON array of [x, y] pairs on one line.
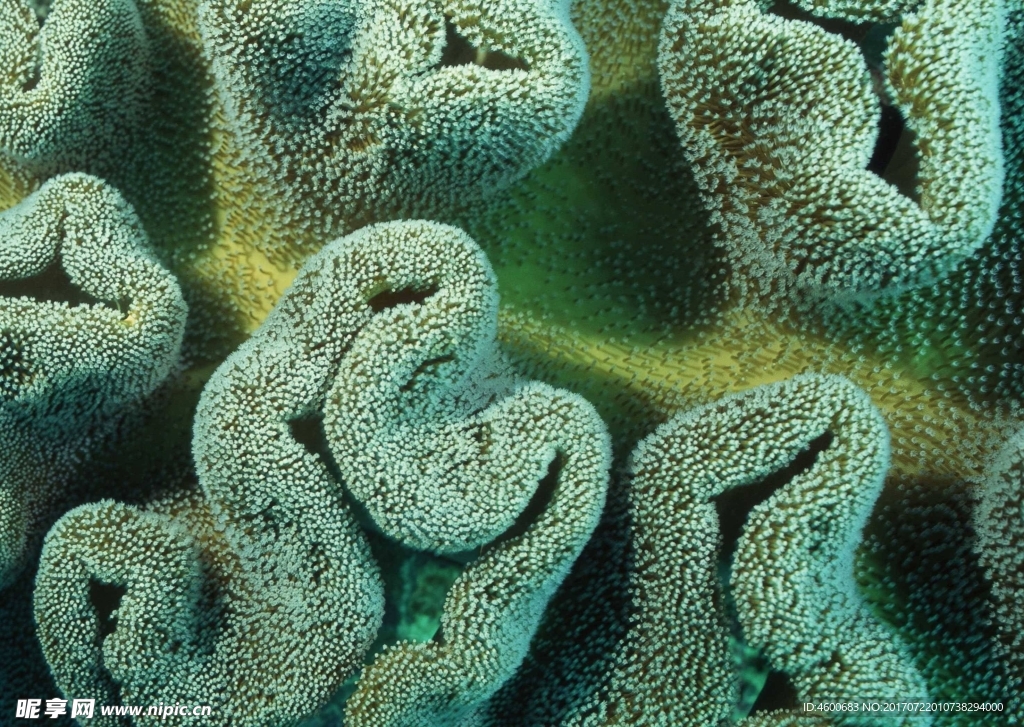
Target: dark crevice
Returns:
[[890, 128], [308, 431], [105, 598], [777, 693], [735, 504], [460, 52], [898, 161], [51, 285], [391, 298], [538, 502], [425, 368]]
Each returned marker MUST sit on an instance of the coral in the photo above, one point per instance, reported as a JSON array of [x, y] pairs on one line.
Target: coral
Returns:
[[779, 120], [667, 661], [919, 569], [74, 85], [999, 523], [201, 604], [434, 470], [90, 324], [346, 112], [244, 145], [404, 416], [879, 11], [613, 285], [793, 569], [493, 608]]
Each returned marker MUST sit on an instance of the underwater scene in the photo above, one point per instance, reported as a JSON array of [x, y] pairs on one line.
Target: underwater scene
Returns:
[[512, 363]]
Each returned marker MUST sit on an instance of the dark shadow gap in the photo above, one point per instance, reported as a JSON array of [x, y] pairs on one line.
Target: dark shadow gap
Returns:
[[777, 693], [308, 431], [904, 162], [460, 52], [392, 298], [51, 285], [890, 128], [105, 598], [425, 368], [734, 505], [538, 503]]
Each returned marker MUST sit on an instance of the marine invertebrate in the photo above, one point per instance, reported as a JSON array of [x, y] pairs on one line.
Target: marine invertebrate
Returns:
[[345, 113], [780, 144], [405, 419], [668, 659], [611, 286], [793, 582], [73, 86], [999, 522], [211, 626], [90, 323], [919, 568], [494, 607], [879, 11]]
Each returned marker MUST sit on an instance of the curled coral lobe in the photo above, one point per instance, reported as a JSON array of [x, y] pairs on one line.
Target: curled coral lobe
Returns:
[[275, 596], [793, 578], [649, 590], [779, 119], [412, 417], [675, 475], [90, 323], [492, 611], [445, 456], [430, 439], [347, 112], [999, 523], [72, 83], [118, 587]]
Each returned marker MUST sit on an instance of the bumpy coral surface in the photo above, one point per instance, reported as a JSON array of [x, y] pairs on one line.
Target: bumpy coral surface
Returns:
[[680, 200], [779, 119], [90, 323], [279, 565], [999, 521], [665, 657], [72, 86]]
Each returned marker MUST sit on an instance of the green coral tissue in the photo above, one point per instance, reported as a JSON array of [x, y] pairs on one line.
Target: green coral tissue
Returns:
[[512, 363]]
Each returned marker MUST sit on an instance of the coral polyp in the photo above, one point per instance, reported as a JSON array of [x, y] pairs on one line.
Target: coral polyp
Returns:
[[779, 118], [91, 324], [278, 565], [270, 441]]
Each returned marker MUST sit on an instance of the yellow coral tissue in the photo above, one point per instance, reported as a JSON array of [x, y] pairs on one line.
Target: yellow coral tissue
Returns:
[[512, 363]]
